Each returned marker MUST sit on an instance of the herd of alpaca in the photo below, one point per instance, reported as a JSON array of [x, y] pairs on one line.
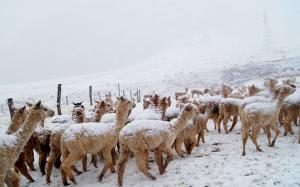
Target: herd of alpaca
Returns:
[[161, 128]]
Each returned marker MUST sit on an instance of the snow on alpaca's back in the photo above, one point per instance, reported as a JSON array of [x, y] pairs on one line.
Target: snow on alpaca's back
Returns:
[[88, 130], [147, 127], [255, 99], [208, 98], [172, 111], [233, 101], [108, 118], [7, 141], [293, 98], [261, 108]]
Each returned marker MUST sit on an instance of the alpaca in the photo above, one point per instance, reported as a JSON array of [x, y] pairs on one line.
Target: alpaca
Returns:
[[146, 102], [80, 139], [178, 94], [78, 116], [256, 115], [228, 107], [225, 90], [253, 90], [196, 92], [171, 113], [142, 136], [194, 127], [18, 119], [12, 145], [290, 111]]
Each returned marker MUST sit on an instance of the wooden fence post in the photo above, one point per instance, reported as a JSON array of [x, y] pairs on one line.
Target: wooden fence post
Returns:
[[91, 95], [99, 95], [119, 90], [67, 101], [10, 103], [58, 103]]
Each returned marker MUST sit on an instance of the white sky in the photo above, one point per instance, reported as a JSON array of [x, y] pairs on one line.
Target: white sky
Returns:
[[49, 39]]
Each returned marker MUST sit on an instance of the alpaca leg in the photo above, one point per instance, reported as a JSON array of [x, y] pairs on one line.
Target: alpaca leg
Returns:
[[225, 122], [286, 125], [21, 166], [255, 132], [124, 156], [220, 119], [215, 120], [29, 155], [84, 163], [75, 170], [192, 145], [234, 122], [268, 136], [108, 163], [245, 134], [198, 139], [141, 162], [277, 132], [114, 155], [67, 164], [159, 160], [94, 160], [12, 179], [178, 145], [169, 152], [42, 162], [201, 133], [54, 155], [2, 178]]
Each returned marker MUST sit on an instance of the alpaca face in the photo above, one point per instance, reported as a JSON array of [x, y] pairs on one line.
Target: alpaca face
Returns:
[[104, 107], [39, 111], [78, 114], [190, 110], [124, 105]]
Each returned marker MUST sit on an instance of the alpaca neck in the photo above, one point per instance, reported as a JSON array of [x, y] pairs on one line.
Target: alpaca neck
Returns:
[[15, 125], [180, 124], [98, 116], [24, 133], [121, 118]]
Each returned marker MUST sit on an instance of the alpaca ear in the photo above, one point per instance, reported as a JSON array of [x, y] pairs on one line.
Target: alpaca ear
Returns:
[[74, 103], [23, 109], [102, 104], [38, 104], [122, 98], [80, 103], [97, 102], [29, 104]]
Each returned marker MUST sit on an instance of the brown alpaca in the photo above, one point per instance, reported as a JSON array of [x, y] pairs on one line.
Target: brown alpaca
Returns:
[[142, 136], [256, 115], [225, 90], [78, 116], [228, 107], [12, 145], [188, 134], [253, 90], [80, 139], [290, 111], [178, 94]]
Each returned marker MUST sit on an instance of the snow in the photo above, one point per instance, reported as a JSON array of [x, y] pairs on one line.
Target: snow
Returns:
[[254, 99], [262, 108], [150, 113], [233, 101], [172, 111], [293, 98], [60, 119], [108, 118], [208, 98], [147, 127], [88, 130], [7, 140]]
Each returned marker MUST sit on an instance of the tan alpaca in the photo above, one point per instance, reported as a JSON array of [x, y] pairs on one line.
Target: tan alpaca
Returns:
[[256, 115], [225, 90], [80, 139], [78, 116], [253, 90], [178, 94], [228, 107], [188, 135], [290, 111], [196, 92], [12, 145], [142, 136]]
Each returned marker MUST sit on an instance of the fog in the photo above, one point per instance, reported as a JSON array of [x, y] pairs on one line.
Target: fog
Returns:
[[42, 40]]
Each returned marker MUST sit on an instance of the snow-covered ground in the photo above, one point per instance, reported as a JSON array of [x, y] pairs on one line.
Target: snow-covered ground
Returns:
[[218, 162]]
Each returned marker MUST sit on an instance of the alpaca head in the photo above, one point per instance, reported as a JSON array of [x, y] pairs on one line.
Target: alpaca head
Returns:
[[163, 103], [155, 99], [39, 111], [124, 105], [78, 114], [49, 112], [103, 107], [189, 111], [252, 90], [282, 92], [18, 119], [270, 83]]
